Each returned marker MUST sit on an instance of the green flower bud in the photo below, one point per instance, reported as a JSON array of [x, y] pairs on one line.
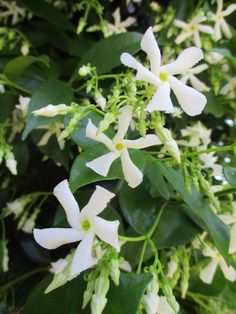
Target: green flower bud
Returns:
[[102, 283], [115, 271], [104, 124], [98, 304], [81, 26]]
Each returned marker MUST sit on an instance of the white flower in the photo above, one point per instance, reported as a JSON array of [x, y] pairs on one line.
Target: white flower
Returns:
[[192, 29], [198, 135], [231, 220], [221, 26], [177, 113], [2, 89], [52, 110], [118, 147], [16, 207], [13, 10], [11, 163], [58, 266], [229, 89], [119, 26], [155, 304], [85, 225], [209, 161], [191, 101], [25, 49], [195, 82], [23, 105], [208, 272], [53, 128]]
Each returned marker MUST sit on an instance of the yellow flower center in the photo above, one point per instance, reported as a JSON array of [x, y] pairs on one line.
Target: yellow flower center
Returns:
[[163, 76], [192, 28], [119, 146], [85, 225]]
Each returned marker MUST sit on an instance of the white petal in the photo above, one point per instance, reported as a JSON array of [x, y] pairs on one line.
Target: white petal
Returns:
[[66, 198], [150, 46], [180, 24], [206, 29], [98, 202], [151, 301], [186, 60], [45, 138], [128, 22], [217, 31], [197, 39], [219, 6], [132, 174], [143, 74], [124, 119], [91, 132], [182, 37], [197, 84], [226, 29], [51, 238], [164, 307], [199, 68], [231, 8], [232, 245], [207, 273], [191, 101], [102, 164], [143, 142], [107, 231], [83, 256], [228, 271], [116, 15], [161, 100]]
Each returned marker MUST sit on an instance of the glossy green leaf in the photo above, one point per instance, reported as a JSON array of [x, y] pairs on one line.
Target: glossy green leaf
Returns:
[[68, 298], [230, 175], [48, 12], [81, 175], [17, 66], [50, 92], [199, 210], [105, 55]]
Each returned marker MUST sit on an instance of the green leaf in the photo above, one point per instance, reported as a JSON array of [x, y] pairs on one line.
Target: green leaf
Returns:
[[8, 102], [17, 66], [81, 175], [138, 207], [68, 298], [199, 210], [230, 175], [155, 176], [48, 12], [49, 92], [105, 55]]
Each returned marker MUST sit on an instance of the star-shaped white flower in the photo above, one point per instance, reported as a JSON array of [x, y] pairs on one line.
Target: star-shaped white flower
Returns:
[[13, 10], [23, 105], [209, 161], [195, 82], [119, 26], [221, 26], [198, 135], [231, 220], [118, 147], [208, 272], [192, 29], [191, 101], [229, 89], [85, 225]]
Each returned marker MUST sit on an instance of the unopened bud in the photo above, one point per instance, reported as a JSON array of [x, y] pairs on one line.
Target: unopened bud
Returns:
[[11, 163], [25, 49], [52, 110], [104, 124], [84, 70], [115, 271], [80, 26], [100, 100], [98, 304]]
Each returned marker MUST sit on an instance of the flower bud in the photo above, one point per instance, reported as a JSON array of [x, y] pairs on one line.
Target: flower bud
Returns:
[[11, 163], [100, 100], [115, 271], [25, 49], [52, 110], [81, 26], [170, 297], [104, 124], [98, 304], [102, 283], [150, 303], [84, 70]]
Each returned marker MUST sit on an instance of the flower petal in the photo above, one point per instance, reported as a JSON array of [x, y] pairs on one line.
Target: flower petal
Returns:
[[191, 101], [206, 29], [107, 231], [228, 271], [180, 24], [98, 202], [66, 198], [91, 132], [102, 164], [164, 307], [186, 60], [197, 84], [143, 142], [232, 245], [207, 273], [143, 74], [226, 29], [217, 30], [83, 256], [199, 68], [52, 238], [161, 100], [231, 8], [128, 22], [124, 119], [132, 174], [182, 37], [197, 39], [150, 46]]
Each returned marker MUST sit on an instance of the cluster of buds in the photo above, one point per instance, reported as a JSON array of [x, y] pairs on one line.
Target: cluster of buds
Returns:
[[7, 154]]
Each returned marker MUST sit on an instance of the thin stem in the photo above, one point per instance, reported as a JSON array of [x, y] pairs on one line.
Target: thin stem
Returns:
[[209, 150], [22, 277], [133, 239], [156, 222], [12, 84], [141, 257]]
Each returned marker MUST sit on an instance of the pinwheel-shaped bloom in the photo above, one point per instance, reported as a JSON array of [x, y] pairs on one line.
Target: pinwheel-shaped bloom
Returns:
[[120, 26], [118, 147], [191, 101], [207, 273], [195, 82], [209, 161], [198, 135], [12, 10], [192, 29], [231, 220], [85, 225], [221, 26]]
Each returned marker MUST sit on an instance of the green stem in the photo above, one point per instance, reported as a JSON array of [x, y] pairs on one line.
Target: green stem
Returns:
[[20, 88], [209, 150], [133, 239], [156, 222], [22, 277], [141, 257]]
